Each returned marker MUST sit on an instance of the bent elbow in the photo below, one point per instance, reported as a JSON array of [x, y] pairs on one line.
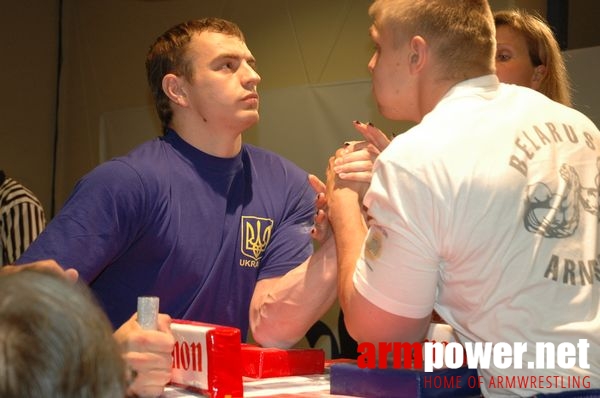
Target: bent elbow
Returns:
[[356, 330], [267, 337]]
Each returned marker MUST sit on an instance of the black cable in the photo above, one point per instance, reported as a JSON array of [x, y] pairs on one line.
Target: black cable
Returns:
[[56, 109]]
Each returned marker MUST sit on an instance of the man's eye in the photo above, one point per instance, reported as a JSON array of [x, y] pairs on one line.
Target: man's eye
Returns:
[[228, 65], [502, 57]]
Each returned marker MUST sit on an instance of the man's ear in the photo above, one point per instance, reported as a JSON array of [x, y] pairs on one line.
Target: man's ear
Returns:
[[172, 86], [418, 53]]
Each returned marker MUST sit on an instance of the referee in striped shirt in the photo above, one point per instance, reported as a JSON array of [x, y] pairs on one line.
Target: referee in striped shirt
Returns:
[[21, 218]]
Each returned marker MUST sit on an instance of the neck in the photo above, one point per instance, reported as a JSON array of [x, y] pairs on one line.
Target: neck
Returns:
[[220, 142], [430, 93]]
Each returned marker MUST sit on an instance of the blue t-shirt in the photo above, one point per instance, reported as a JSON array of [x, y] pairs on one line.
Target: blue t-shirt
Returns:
[[195, 230]]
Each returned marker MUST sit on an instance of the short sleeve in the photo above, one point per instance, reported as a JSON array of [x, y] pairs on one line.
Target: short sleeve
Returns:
[[398, 266], [98, 221], [291, 243]]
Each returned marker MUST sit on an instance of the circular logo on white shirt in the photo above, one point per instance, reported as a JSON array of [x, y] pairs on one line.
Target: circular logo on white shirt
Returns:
[[374, 243]]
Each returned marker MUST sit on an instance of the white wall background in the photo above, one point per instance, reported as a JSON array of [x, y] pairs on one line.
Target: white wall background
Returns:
[[307, 123]]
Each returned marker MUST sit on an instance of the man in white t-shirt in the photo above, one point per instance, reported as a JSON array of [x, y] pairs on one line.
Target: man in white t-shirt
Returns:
[[486, 210]]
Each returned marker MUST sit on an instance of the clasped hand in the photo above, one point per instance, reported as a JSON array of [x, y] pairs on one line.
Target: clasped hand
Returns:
[[349, 174], [147, 354]]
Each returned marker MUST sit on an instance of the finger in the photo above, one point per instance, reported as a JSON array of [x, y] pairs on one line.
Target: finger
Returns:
[[148, 384], [329, 170], [372, 134], [352, 146], [321, 218], [362, 150], [343, 150], [355, 166], [320, 236], [368, 153], [321, 200], [363, 176], [148, 361], [164, 324], [150, 341], [320, 230], [47, 266], [331, 161], [72, 275], [357, 154], [361, 146], [9, 269], [331, 176], [316, 183], [148, 372], [144, 391]]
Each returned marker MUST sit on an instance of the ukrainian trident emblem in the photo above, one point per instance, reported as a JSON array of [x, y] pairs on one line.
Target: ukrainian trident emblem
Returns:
[[256, 234]]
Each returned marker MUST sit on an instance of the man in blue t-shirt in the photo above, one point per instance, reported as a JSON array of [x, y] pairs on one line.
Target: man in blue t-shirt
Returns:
[[219, 230]]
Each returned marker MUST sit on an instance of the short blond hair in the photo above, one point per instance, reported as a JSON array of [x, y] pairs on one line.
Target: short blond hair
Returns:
[[543, 50], [460, 32]]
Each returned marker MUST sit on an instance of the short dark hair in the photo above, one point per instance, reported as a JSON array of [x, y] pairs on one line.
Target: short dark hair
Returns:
[[168, 55]]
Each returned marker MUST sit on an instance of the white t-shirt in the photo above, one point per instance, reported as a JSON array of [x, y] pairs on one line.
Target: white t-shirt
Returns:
[[487, 211]]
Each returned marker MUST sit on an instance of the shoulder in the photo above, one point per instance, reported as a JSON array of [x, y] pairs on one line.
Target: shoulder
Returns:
[[530, 105], [278, 179], [269, 163], [143, 162], [141, 170], [149, 155], [12, 193]]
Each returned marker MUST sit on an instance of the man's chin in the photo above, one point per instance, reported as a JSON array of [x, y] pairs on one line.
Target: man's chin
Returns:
[[250, 120]]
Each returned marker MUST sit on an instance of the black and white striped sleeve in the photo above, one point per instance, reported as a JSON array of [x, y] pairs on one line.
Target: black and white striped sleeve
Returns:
[[22, 219]]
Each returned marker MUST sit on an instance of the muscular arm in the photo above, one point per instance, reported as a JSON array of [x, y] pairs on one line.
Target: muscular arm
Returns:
[[284, 308], [364, 320]]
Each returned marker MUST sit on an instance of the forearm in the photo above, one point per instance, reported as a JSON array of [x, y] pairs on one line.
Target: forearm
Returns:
[[364, 320], [283, 309], [349, 230]]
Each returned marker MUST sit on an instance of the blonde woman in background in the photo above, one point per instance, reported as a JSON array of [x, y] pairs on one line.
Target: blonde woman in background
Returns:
[[528, 55]]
